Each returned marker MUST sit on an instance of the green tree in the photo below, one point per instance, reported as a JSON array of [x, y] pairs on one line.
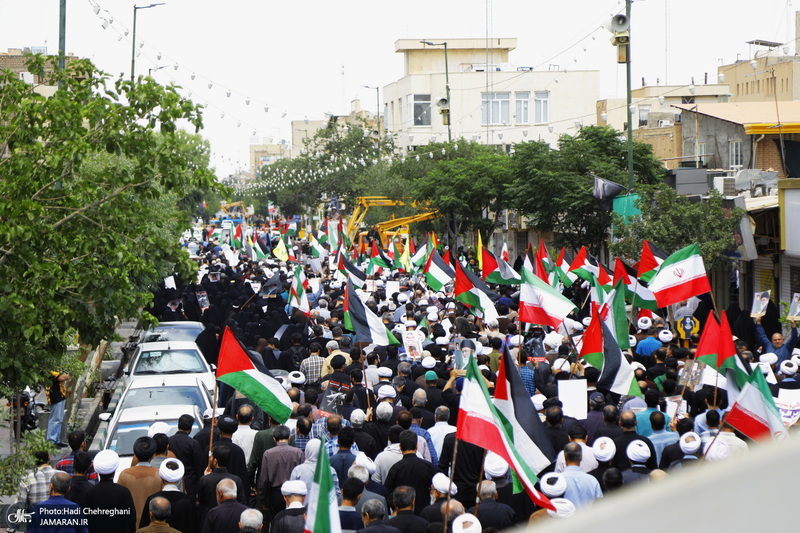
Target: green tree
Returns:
[[553, 188], [91, 180], [673, 222]]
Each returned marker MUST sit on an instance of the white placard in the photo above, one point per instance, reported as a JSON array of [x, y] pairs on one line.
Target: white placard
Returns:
[[412, 340], [788, 403], [713, 378], [675, 405], [169, 282], [392, 286], [314, 283], [573, 395]]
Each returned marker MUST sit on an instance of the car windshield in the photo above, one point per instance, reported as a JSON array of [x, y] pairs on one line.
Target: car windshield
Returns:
[[126, 433], [170, 362], [172, 334], [153, 396]]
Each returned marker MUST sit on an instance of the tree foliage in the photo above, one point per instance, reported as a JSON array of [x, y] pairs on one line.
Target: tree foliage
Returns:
[[673, 222], [91, 179], [553, 188]]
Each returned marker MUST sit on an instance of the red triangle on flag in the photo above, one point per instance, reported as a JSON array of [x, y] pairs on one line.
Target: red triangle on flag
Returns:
[[232, 355]]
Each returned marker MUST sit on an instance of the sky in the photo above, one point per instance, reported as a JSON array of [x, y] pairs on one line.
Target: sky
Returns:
[[296, 59]]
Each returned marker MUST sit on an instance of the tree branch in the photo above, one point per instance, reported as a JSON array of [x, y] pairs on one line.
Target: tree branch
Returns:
[[101, 201]]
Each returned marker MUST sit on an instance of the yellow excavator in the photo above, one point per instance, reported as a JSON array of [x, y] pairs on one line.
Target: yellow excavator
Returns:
[[363, 203]]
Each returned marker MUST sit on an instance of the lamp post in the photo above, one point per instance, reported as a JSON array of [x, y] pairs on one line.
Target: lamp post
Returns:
[[446, 85], [377, 106], [151, 70], [133, 41]]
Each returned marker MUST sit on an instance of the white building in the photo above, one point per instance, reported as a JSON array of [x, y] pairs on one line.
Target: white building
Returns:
[[499, 105]]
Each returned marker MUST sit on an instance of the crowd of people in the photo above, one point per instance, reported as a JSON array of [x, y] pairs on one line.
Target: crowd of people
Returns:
[[387, 421]]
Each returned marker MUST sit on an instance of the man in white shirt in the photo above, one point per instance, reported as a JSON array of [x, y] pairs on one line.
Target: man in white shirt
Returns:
[[441, 428]]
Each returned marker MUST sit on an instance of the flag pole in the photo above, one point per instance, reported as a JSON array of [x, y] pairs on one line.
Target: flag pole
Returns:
[[450, 486], [480, 480], [213, 422]]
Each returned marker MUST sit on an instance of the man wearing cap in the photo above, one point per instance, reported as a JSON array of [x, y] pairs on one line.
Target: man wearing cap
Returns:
[[432, 391], [292, 518], [363, 440], [143, 479], [183, 514], [189, 452], [224, 518], [582, 489], [777, 344], [109, 506], [277, 464]]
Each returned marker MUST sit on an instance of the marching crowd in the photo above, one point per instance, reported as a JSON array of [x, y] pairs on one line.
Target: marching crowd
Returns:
[[388, 420]]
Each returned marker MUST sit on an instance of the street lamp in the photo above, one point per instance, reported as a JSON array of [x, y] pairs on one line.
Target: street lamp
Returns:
[[446, 107], [377, 106], [133, 41], [151, 70]]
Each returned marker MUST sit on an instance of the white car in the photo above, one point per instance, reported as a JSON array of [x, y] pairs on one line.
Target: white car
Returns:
[[134, 422], [169, 358], [181, 330], [155, 391]]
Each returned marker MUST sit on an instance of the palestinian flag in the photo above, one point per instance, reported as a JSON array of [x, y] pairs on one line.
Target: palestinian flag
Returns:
[[351, 272], [359, 319], [716, 349], [333, 235], [601, 350], [317, 250], [419, 258], [540, 303], [495, 270], [561, 269], [615, 316], [636, 293], [543, 257], [483, 424], [755, 413], [322, 514], [585, 266], [514, 403], [378, 257], [529, 262], [446, 256], [650, 260], [236, 239], [345, 238], [290, 250], [681, 276], [235, 368], [437, 272], [473, 296], [297, 293], [258, 251]]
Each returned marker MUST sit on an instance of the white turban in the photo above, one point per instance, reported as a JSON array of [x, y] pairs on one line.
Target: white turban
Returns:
[[644, 322], [296, 377], [553, 485], [769, 358], [387, 391], [690, 442], [106, 462], [384, 372], [158, 427], [494, 466], [604, 449], [171, 475], [441, 483], [428, 362], [294, 487], [538, 401], [564, 508], [788, 368], [363, 460], [665, 335], [467, 523], [433, 317], [638, 451]]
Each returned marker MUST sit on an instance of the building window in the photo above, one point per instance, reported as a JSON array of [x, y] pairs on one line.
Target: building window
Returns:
[[735, 155], [522, 102], [701, 150], [421, 109], [644, 113], [495, 108], [541, 107]]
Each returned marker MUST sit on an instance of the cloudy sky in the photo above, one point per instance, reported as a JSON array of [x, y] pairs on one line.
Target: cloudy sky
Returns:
[[304, 58]]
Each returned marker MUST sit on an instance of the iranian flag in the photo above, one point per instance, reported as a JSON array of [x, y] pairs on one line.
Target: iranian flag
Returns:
[[236, 241], [235, 368], [755, 413], [475, 297], [495, 270], [540, 303], [437, 272], [322, 514], [359, 319], [483, 424], [681, 276], [650, 260], [297, 293], [601, 350]]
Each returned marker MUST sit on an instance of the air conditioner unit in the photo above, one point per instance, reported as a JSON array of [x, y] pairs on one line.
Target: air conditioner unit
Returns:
[[27, 77], [664, 123], [725, 185]]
